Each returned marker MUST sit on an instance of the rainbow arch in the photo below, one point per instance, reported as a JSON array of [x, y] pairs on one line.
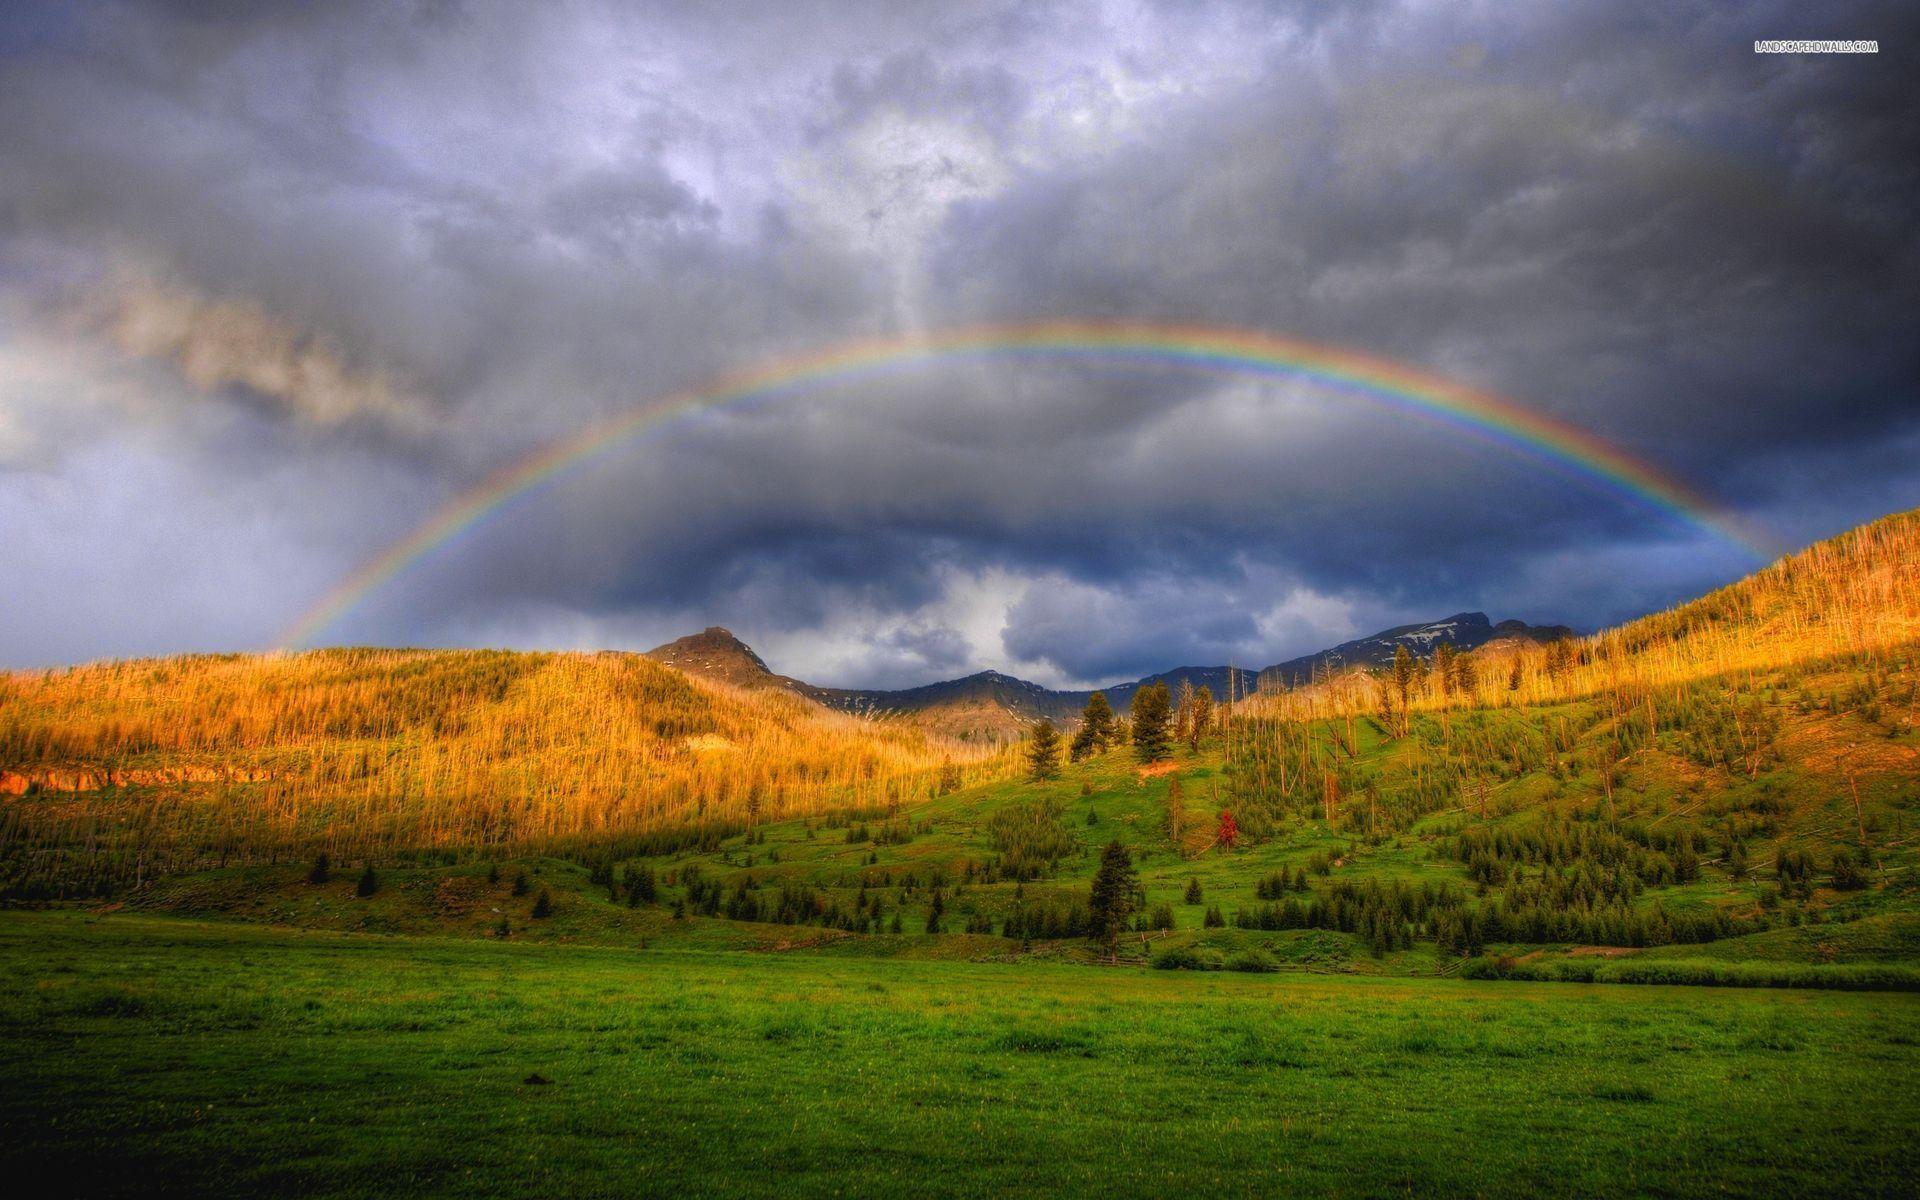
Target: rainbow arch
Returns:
[[1544, 439]]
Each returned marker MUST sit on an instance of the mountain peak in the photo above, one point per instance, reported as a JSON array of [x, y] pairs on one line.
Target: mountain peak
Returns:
[[717, 654]]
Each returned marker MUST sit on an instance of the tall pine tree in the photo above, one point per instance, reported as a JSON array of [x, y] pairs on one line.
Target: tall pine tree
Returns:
[[1043, 752], [1151, 714], [1115, 894], [1096, 728]]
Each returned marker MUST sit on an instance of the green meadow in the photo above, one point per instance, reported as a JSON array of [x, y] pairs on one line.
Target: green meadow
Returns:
[[149, 1054]]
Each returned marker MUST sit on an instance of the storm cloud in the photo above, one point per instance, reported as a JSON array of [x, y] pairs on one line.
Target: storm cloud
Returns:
[[278, 281]]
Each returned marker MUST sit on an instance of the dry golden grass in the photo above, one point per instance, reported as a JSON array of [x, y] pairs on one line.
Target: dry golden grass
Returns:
[[361, 751], [1856, 597]]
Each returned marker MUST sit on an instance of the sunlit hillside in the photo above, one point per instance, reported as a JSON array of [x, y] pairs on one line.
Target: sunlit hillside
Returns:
[[1856, 596], [1771, 705], [113, 773]]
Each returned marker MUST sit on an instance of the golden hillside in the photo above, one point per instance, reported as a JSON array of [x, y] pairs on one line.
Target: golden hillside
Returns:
[[1853, 597], [234, 758]]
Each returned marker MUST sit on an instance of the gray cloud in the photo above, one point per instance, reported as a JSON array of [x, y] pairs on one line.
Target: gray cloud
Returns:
[[339, 262], [222, 344]]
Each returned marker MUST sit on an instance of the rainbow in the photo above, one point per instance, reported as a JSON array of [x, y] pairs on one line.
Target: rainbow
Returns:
[[1554, 443]]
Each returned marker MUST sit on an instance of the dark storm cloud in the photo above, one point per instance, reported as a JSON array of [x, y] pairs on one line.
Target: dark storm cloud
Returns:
[[335, 261]]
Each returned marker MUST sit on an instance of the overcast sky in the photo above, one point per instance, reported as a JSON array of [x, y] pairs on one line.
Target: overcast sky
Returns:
[[276, 282]]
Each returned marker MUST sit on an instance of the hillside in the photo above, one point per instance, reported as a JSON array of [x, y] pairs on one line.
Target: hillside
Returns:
[[160, 765], [1745, 838], [1722, 776], [1622, 808], [1854, 597], [995, 707]]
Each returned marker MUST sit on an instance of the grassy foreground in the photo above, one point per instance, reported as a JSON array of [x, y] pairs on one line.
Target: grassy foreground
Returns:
[[149, 1054]]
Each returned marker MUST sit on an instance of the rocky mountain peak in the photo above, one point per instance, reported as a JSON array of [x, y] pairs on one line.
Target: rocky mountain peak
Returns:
[[716, 653]]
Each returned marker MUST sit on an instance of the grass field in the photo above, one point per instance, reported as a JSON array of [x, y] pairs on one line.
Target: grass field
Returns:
[[149, 1054]]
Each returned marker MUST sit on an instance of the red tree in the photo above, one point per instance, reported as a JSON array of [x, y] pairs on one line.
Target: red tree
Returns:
[[1229, 830]]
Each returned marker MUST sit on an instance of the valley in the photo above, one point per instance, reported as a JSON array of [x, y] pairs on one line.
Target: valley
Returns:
[[594, 907]]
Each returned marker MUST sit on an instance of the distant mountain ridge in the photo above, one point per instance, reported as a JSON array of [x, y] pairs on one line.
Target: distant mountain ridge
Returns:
[[1025, 699], [1466, 630], [996, 704]]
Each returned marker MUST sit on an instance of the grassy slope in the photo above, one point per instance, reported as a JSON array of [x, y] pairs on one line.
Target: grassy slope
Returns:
[[114, 772], [376, 754], [148, 1054], [1809, 806]]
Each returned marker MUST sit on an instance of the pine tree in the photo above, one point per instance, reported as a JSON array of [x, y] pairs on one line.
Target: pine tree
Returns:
[[1096, 728], [1150, 717], [542, 905], [322, 869], [369, 883], [936, 906], [520, 884], [1114, 895], [1193, 895], [641, 886], [1043, 752], [1686, 861]]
